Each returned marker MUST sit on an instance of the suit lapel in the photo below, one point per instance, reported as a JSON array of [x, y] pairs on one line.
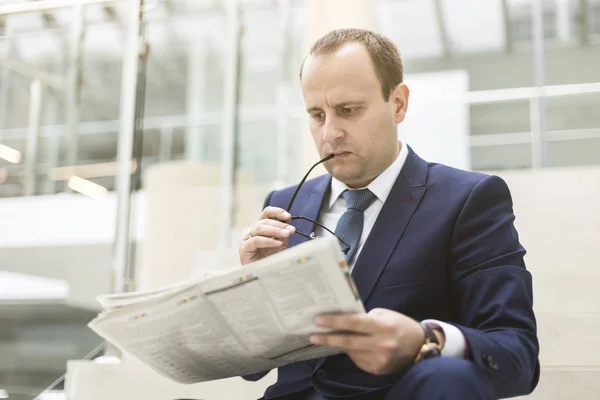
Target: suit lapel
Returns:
[[309, 205], [403, 200]]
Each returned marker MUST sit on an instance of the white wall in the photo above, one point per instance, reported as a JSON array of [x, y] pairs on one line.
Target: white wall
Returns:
[[437, 122], [61, 219]]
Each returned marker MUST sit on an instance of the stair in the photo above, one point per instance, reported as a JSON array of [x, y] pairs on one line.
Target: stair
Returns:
[[570, 360], [568, 383], [558, 220], [569, 340]]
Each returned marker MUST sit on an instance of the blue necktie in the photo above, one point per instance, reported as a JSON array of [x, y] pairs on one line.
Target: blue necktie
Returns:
[[349, 228], [350, 225]]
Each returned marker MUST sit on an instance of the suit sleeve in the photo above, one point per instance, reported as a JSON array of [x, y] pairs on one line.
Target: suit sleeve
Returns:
[[492, 290], [259, 375]]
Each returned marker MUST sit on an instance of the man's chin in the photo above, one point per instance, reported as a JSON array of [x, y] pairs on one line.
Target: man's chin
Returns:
[[344, 174]]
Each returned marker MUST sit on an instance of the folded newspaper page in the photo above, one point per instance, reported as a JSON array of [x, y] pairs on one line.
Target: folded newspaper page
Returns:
[[246, 320]]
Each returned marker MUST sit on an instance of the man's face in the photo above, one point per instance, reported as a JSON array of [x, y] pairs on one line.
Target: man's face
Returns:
[[349, 116]]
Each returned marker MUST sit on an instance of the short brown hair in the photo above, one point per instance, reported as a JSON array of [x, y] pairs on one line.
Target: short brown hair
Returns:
[[384, 54]]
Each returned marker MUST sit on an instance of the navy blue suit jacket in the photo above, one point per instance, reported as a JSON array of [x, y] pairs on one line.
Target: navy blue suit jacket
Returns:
[[444, 247]]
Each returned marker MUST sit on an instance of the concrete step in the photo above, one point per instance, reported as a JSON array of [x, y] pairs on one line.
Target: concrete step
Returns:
[[88, 380], [561, 340], [566, 383]]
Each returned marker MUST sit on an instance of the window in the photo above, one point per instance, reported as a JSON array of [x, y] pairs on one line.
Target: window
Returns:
[[594, 18], [521, 22]]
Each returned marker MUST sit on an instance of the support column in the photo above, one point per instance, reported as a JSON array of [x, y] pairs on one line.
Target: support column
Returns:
[[195, 103], [73, 83], [283, 96], [5, 87], [323, 17], [538, 104], [33, 134], [564, 18], [122, 276], [230, 118]]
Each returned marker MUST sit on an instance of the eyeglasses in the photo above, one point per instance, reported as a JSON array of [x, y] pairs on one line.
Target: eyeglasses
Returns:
[[311, 236]]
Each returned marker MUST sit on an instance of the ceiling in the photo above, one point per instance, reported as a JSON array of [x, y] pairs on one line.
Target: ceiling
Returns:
[[175, 29], [186, 39]]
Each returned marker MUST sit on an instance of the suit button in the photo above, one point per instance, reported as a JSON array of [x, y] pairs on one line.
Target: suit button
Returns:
[[321, 373], [489, 361]]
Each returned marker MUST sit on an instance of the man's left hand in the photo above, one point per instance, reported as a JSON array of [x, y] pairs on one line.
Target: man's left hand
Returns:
[[380, 342]]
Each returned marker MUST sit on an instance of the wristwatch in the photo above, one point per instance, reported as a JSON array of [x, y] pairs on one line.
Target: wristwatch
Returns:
[[432, 347]]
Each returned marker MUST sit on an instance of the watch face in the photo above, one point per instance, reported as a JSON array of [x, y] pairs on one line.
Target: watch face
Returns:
[[429, 350], [431, 353]]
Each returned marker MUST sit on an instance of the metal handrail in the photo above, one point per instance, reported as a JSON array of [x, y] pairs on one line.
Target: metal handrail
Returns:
[[46, 5]]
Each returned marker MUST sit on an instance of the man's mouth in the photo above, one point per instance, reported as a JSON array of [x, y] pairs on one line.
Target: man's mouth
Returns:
[[340, 154]]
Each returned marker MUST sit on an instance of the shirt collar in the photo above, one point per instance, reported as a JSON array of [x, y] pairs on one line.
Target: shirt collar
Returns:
[[381, 186]]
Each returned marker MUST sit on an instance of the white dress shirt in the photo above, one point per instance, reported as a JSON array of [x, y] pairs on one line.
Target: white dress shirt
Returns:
[[335, 206]]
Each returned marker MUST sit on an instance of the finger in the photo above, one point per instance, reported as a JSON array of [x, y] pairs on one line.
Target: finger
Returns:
[[350, 342], [275, 212], [252, 230], [358, 322], [277, 224], [279, 231], [260, 242]]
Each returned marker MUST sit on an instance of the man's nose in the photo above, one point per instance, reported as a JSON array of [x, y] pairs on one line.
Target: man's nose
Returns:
[[331, 132]]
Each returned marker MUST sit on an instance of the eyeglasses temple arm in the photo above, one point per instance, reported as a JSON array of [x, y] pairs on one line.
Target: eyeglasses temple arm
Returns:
[[346, 245], [289, 206]]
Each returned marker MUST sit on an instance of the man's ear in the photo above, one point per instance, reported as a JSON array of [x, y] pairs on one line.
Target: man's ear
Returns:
[[400, 96]]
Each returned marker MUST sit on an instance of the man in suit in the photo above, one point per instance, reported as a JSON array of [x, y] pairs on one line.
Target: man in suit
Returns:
[[433, 250]]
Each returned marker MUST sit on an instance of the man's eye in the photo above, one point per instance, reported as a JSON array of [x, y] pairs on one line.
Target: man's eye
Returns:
[[346, 110], [319, 116]]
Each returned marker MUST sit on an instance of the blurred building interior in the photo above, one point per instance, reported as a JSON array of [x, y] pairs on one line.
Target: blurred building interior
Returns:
[[510, 87]]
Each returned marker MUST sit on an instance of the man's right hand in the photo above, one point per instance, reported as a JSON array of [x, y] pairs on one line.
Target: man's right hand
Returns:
[[267, 236]]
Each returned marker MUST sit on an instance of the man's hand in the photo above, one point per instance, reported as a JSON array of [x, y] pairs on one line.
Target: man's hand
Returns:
[[267, 236], [381, 342]]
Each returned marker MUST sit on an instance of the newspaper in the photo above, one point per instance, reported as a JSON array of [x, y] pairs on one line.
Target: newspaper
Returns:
[[245, 320]]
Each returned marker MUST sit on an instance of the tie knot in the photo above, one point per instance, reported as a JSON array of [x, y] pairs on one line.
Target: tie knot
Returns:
[[359, 199]]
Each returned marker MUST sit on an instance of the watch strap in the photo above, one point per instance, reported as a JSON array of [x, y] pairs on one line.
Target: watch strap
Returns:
[[432, 347]]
